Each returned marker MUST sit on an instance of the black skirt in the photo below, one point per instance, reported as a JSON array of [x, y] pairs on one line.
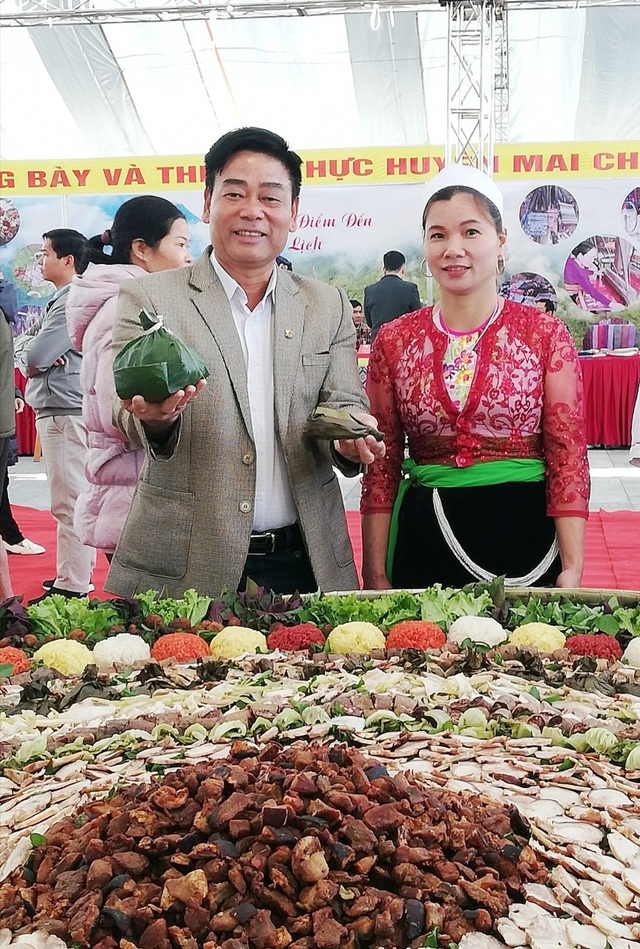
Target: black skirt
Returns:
[[503, 528]]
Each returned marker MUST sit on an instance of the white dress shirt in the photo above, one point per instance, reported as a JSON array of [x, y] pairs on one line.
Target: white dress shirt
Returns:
[[273, 503]]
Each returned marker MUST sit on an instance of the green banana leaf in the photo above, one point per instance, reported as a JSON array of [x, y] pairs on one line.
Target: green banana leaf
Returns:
[[326, 424], [156, 364]]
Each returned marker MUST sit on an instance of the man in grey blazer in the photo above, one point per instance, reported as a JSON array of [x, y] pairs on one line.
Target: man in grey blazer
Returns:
[[231, 488]]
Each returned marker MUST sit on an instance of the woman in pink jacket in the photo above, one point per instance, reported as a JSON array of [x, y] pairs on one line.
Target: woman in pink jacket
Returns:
[[148, 234]]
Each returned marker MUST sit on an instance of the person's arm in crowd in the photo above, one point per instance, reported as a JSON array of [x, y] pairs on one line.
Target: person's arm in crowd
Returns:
[[366, 313], [381, 481], [20, 344], [375, 540], [6, 589], [415, 302], [565, 452], [571, 534], [36, 351]]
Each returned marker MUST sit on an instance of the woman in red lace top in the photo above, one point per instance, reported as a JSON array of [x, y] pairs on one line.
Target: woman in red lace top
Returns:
[[486, 394]]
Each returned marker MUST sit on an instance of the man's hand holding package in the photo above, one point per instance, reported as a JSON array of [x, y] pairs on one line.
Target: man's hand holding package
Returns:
[[159, 416], [362, 451], [366, 444]]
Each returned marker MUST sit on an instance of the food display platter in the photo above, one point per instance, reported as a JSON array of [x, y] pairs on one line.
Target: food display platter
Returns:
[[462, 795]]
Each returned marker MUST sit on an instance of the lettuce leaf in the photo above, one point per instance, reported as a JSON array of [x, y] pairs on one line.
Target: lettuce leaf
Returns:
[[58, 615], [192, 606]]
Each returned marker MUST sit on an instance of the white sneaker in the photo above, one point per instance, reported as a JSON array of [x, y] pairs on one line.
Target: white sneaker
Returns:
[[25, 546]]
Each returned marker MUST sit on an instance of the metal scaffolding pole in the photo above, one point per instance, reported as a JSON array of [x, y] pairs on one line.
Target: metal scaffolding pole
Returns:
[[477, 80], [501, 75], [48, 13]]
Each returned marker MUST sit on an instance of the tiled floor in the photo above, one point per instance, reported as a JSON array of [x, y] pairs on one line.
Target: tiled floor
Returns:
[[28, 484], [615, 484]]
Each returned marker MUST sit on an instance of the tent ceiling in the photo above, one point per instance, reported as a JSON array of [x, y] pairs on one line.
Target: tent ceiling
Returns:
[[88, 89]]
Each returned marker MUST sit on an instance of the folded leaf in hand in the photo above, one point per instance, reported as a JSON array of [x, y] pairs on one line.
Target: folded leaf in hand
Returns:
[[326, 423], [156, 364]]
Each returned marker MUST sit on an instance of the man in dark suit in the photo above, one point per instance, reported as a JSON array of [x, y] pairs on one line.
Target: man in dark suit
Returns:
[[391, 296]]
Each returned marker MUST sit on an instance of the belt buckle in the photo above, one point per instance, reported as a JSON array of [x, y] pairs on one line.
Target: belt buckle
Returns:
[[269, 539]]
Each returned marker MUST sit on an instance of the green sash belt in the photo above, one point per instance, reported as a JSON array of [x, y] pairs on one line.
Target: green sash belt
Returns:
[[445, 476]]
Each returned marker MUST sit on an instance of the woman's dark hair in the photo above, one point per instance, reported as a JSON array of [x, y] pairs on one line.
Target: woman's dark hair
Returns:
[[446, 194], [69, 243], [146, 217], [252, 139], [584, 247]]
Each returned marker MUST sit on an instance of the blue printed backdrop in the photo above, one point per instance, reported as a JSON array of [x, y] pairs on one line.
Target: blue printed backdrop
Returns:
[[345, 229], [27, 218]]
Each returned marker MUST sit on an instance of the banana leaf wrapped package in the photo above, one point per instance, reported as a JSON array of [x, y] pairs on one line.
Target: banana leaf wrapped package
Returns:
[[156, 364], [326, 423]]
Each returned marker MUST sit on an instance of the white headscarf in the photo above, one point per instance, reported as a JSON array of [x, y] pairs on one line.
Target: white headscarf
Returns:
[[466, 176]]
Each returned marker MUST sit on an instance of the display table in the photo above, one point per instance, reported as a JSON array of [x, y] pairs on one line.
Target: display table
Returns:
[[610, 388]]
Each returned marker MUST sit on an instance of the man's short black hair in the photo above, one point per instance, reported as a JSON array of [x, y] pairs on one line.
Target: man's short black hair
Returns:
[[393, 260], [67, 242], [252, 139], [355, 303]]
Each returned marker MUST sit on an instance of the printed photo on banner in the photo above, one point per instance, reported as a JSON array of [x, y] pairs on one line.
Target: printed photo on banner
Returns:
[[631, 213], [549, 214], [9, 220], [602, 274], [532, 289]]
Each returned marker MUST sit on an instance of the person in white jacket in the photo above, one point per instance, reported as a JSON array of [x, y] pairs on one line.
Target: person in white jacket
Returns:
[[148, 234]]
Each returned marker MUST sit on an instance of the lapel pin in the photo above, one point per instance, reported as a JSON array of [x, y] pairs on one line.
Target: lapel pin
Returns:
[[288, 334]]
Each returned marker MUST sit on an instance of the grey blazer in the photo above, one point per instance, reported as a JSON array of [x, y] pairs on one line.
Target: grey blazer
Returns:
[[192, 512]]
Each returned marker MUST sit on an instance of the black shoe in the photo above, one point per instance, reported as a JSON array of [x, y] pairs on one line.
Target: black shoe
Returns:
[[49, 584], [69, 594]]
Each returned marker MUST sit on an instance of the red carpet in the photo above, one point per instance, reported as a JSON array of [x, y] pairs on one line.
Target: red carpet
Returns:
[[612, 551], [28, 572]]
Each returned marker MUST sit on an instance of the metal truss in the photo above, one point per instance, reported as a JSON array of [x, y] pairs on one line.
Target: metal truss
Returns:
[[501, 76], [477, 80], [32, 13]]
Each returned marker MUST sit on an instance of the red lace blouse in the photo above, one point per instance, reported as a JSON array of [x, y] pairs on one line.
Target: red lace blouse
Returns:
[[525, 401]]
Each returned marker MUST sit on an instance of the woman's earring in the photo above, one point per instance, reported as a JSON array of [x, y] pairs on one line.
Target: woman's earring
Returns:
[[424, 269], [500, 266]]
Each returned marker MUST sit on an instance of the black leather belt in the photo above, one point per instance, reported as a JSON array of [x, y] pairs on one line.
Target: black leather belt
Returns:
[[280, 540]]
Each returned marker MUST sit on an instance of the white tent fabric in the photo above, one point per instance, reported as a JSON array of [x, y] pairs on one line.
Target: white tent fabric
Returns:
[[323, 81]]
